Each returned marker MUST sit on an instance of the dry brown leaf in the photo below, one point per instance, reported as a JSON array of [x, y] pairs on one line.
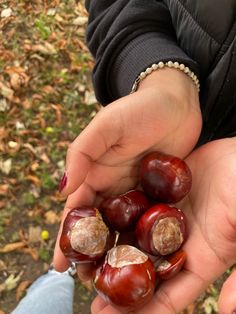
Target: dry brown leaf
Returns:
[[4, 189], [57, 108], [6, 91], [46, 48], [21, 289], [48, 89], [12, 281], [33, 252], [34, 179], [51, 217], [3, 132], [34, 234], [12, 247], [34, 166], [44, 158], [6, 165], [2, 204], [18, 77], [3, 265]]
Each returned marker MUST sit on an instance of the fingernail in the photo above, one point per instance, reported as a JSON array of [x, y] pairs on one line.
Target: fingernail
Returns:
[[234, 312], [63, 182]]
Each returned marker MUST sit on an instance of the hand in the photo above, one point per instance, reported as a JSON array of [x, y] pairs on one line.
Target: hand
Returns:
[[163, 114], [210, 208]]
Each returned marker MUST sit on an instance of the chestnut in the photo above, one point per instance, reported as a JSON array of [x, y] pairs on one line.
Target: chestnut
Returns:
[[121, 212], [164, 177], [84, 235], [126, 279], [170, 265], [161, 230]]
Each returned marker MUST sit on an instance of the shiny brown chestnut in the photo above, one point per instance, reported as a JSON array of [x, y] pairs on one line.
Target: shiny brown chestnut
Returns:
[[126, 279], [121, 212], [164, 177], [84, 235], [170, 265], [161, 230]]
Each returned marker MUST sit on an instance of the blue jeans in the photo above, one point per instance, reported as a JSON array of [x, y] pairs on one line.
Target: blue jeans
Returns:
[[51, 293]]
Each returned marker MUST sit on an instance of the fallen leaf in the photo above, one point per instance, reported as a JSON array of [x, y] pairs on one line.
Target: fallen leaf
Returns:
[[20, 125], [34, 166], [2, 204], [33, 179], [44, 158], [21, 289], [12, 281], [4, 105], [6, 91], [89, 98], [13, 146], [3, 132], [80, 21], [12, 247], [4, 188], [18, 77], [51, 11], [3, 265], [46, 48], [5, 165], [6, 12], [33, 252], [34, 234], [210, 305], [31, 148], [51, 217]]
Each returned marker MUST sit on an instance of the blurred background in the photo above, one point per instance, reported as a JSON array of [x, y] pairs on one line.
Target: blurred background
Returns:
[[46, 99]]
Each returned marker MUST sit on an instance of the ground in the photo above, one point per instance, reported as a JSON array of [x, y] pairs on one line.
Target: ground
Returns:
[[46, 99]]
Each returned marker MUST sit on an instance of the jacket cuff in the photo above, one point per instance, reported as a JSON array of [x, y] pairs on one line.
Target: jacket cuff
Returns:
[[136, 56]]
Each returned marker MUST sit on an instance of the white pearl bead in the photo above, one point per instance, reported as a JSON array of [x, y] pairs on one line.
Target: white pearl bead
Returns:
[[142, 75], [170, 64], [186, 70], [155, 66], [176, 65]]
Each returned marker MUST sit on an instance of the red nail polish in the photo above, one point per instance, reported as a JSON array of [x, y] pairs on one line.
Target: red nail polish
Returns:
[[63, 182]]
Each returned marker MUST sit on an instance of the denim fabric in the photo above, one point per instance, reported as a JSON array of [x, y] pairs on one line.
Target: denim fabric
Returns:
[[51, 293]]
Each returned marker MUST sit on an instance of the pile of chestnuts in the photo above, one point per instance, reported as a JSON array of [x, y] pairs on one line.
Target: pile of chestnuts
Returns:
[[127, 272]]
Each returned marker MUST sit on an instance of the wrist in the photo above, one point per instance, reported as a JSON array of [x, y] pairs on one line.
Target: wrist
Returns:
[[175, 83], [176, 93]]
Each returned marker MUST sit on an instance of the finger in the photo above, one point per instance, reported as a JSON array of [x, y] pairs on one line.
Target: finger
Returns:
[[84, 196], [99, 306], [96, 139], [202, 267], [227, 299], [85, 271]]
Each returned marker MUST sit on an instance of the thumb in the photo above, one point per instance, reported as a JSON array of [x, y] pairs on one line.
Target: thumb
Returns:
[[227, 299], [92, 143]]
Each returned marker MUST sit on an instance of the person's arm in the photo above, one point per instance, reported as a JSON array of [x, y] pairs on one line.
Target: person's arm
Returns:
[[126, 37]]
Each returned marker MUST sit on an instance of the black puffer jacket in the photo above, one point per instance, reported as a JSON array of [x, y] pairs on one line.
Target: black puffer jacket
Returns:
[[126, 37]]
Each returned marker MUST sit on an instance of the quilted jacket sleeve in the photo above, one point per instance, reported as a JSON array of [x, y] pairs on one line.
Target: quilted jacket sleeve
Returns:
[[125, 37]]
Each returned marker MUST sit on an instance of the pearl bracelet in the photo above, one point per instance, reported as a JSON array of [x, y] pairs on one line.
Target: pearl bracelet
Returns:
[[161, 65]]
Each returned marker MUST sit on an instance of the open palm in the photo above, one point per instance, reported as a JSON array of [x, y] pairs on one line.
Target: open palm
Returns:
[[211, 246], [104, 159]]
